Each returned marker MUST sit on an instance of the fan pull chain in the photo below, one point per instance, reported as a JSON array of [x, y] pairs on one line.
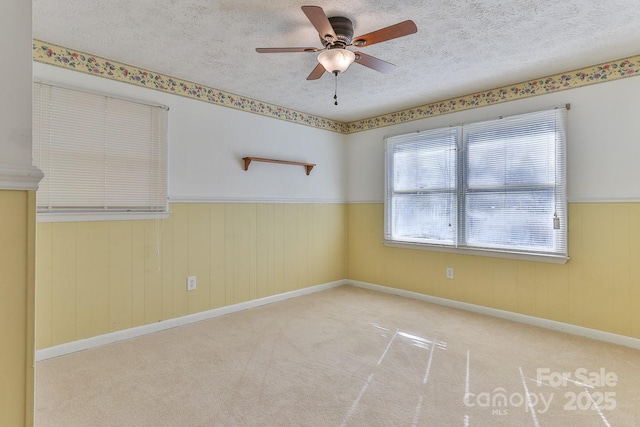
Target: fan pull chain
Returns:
[[335, 94]]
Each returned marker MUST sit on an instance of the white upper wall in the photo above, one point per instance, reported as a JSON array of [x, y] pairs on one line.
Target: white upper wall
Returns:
[[603, 142], [15, 103], [207, 143]]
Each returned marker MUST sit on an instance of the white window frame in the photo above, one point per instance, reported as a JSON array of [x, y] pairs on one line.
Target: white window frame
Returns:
[[117, 157], [457, 209]]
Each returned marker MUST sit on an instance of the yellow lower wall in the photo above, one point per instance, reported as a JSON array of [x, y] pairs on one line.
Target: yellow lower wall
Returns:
[[99, 277], [17, 222], [598, 288]]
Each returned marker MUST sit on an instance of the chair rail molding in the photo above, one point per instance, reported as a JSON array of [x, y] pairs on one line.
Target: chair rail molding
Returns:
[[19, 177]]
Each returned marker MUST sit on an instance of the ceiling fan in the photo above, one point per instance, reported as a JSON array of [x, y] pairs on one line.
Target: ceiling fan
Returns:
[[336, 34]]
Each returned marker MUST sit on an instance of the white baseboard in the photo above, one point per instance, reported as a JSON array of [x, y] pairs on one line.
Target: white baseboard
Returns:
[[126, 334], [508, 315], [85, 344]]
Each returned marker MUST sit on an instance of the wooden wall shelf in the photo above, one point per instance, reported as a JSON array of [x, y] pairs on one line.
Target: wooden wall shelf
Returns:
[[248, 160]]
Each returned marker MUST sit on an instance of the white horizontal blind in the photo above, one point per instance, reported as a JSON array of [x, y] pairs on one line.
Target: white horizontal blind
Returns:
[[98, 154], [498, 185], [515, 183], [421, 187]]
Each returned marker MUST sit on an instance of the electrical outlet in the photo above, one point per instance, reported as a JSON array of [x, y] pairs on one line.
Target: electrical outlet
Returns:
[[191, 283], [449, 272]]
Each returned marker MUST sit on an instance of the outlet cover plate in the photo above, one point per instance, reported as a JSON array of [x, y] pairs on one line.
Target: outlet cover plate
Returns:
[[449, 272], [191, 283]]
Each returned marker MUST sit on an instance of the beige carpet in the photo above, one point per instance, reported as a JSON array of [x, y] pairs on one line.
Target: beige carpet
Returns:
[[345, 357]]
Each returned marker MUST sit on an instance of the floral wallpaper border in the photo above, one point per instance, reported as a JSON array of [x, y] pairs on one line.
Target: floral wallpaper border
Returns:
[[606, 72], [49, 53], [52, 54]]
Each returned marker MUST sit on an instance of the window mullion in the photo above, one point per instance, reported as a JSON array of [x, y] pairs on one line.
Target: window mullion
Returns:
[[461, 185]]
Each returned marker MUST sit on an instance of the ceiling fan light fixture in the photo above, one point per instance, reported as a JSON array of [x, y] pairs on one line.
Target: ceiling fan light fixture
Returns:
[[336, 60]]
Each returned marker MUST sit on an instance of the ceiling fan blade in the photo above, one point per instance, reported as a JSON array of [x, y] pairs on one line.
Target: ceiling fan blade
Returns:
[[285, 49], [374, 63], [316, 73], [320, 21], [388, 33]]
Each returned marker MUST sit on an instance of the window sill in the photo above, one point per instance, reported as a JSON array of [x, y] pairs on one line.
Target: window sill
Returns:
[[111, 216], [552, 259]]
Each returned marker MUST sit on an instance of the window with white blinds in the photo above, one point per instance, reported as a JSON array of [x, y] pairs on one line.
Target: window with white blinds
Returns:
[[98, 154], [495, 186]]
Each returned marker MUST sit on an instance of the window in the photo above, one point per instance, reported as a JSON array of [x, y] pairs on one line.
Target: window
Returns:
[[98, 154], [495, 186]]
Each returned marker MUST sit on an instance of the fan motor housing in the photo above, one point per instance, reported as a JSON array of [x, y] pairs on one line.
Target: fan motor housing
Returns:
[[343, 27]]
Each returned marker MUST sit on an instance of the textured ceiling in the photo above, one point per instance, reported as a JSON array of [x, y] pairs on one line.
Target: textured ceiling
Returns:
[[461, 47]]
